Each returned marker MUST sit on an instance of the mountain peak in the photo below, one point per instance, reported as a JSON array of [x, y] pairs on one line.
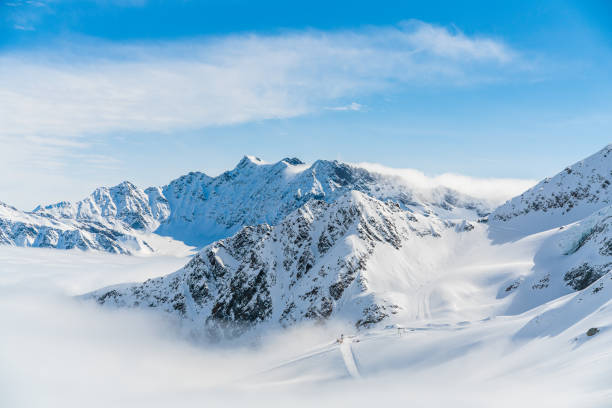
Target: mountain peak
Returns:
[[126, 184], [294, 161], [249, 161]]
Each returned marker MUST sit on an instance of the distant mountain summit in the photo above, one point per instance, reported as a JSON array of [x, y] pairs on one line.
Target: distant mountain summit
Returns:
[[203, 209], [46, 231], [124, 203], [198, 209]]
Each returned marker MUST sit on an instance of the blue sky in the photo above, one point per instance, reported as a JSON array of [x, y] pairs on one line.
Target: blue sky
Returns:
[[95, 92]]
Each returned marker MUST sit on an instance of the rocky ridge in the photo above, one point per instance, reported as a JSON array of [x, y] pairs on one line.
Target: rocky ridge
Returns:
[[198, 209]]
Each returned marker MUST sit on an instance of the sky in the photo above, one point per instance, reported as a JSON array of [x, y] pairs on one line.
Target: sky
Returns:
[[94, 92]]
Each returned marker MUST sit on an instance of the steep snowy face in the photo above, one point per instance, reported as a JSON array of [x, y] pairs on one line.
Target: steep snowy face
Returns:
[[204, 209], [571, 259], [571, 195], [589, 242], [124, 203], [591, 304], [574, 208], [313, 265]]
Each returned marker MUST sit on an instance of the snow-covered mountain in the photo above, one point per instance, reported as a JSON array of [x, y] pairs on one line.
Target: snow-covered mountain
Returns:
[[365, 251], [325, 259], [204, 209], [289, 242], [119, 220], [333, 276], [123, 204], [198, 209], [40, 230], [573, 194]]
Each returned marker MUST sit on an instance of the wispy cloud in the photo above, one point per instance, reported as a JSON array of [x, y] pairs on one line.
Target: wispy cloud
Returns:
[[353, 106], [102, 87], [25, 14], [494, 191], [455, 44], [55, 100]]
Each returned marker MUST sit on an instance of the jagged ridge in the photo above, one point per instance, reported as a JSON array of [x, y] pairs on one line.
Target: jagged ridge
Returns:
[[198, 209]]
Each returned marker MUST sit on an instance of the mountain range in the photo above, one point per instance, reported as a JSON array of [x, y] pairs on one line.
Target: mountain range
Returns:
[[285, 243], [197, 209]]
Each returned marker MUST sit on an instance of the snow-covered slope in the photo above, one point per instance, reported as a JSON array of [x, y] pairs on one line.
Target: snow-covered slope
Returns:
[[569, 196], [557, 354], [568, 259], [348, 259], [570, 214]]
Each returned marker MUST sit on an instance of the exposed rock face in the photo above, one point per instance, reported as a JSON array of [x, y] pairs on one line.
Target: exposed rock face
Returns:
[[582, 276], [311, 266], [592, 249]]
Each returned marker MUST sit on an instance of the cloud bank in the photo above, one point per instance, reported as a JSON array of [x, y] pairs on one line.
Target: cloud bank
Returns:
[[494, 191], [57, 351]]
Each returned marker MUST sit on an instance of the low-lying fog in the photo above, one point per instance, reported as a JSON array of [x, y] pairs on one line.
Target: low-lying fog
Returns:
[[57, 351]]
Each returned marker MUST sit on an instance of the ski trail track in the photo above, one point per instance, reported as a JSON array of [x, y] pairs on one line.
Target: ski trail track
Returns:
[[349, 358]]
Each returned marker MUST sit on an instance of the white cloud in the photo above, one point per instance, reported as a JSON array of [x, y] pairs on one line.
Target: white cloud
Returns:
[[103, 87], [442, 42], [353, 106], [55, 101], [494, 191]]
